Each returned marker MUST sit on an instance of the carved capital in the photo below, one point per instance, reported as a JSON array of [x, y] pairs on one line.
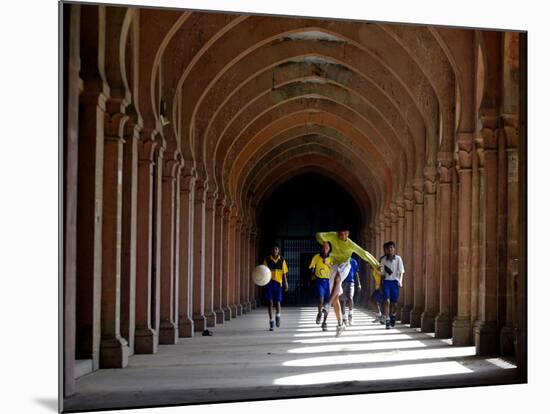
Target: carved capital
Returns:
[[430, 174], [510, 130], [489, 132], [211, 197], [170, 166], [408, 198], [393, 212], [187, 178], [400, 203], [465, 145], [445, 163], [418, 187], [113, 124], [146, 150], [201, 186]]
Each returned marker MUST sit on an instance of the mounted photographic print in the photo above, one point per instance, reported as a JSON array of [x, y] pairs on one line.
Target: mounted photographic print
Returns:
[[259, 207]]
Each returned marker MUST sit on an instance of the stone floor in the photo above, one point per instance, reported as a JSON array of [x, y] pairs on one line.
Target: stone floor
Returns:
[[244, 361]]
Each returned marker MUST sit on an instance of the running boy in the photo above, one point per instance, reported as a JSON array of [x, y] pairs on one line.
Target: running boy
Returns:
[[273, 290], [392, 270], [342, 249], [348, 286], [320, 270]]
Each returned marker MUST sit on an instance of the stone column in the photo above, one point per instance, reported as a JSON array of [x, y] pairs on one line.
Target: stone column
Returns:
[[407, 249], [502, 236], [199, 319], [89, 221], [443, 321], [477, 169], [157, 234], [146, 340], [187, 203], [168, 329], [418, 252], [129, 224], [177, 226], [252, 262], [511, 132], [485, 331], [72, 86], [237, 257], [219, 276], [244, 269], [226, 265], [209, 259], [454, 241], [431, 283], [462, 326], [113, 348], [400, 217], [232, 262]]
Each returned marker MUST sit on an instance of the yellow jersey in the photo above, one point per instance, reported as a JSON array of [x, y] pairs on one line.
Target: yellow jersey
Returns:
[[277, 266], [322, 269]]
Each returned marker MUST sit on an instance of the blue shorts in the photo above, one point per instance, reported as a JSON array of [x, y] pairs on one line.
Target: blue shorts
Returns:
[[322, 289], [377, 296], [391, 290], [273, 291]]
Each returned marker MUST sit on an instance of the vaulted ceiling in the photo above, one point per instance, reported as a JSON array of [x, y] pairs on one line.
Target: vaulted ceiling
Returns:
[[251, 101]]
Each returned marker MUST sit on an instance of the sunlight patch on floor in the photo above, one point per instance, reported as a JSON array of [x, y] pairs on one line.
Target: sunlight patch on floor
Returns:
[[353, 338], [392, 356], [356, 347], [501, 363], [350, 331], [376, 374]]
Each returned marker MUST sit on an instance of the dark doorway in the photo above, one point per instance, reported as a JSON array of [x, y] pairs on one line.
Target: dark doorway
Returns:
[[293, 214]]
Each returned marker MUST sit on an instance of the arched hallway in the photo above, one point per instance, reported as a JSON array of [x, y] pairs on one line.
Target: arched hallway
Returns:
[[178, 127]]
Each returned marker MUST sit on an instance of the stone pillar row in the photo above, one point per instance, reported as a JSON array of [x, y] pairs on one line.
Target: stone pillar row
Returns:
[[166, 256]]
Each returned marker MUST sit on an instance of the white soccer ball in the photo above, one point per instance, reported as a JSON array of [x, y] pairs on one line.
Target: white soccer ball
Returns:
[[261, 275]]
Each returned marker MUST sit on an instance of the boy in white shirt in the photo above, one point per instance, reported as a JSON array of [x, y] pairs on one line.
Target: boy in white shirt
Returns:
[[391, 268]]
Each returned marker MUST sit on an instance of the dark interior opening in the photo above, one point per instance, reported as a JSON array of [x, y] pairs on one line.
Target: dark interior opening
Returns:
[[291, 216]]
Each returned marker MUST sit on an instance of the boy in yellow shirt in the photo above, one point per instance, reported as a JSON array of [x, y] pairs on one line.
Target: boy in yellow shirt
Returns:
[[342, 249], [273, 291], [320, 270]]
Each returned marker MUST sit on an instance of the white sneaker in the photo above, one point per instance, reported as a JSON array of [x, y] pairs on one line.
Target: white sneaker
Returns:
[[340, 329]]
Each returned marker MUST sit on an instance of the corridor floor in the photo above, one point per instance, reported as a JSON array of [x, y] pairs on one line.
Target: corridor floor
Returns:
[[244, 361]]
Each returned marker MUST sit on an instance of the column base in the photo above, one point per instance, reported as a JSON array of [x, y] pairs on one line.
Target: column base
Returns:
[[462, 332], [186, 327], [486, 338], [416, 316], [227, 313], [507, 346], [210, 319], [168, 333], [146, 341], [199, 321], [248, 307], [406, 314], [239, 307], [233, 311], [113, 353], [427, 322], [220, 316], [254, 304], [443, 326]]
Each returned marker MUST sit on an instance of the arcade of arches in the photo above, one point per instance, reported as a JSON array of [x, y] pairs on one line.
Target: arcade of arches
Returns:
[[179, 125]]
